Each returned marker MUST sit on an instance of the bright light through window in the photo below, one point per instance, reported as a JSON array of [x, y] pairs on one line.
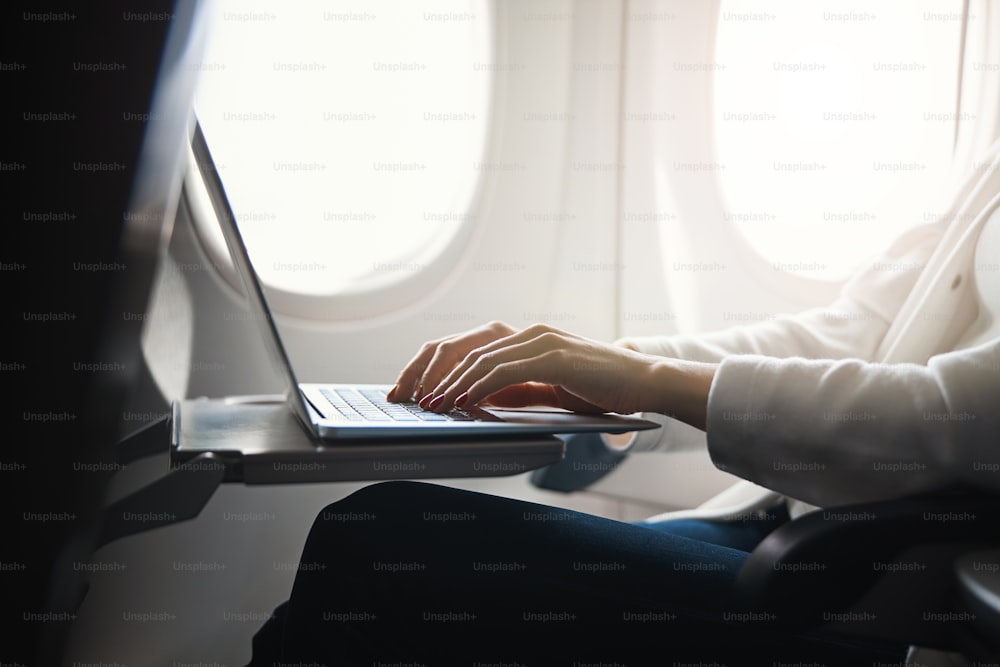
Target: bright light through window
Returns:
[[347, 132], [835, 121]]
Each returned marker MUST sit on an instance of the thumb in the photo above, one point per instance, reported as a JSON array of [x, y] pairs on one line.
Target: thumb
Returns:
[[524, 395], [539, 394]]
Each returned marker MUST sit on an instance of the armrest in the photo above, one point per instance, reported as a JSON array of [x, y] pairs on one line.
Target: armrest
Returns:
[[979, 587], [883, 570]]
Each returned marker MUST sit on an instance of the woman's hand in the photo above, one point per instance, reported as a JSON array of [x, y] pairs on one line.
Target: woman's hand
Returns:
[[544, 366], [438, 357]]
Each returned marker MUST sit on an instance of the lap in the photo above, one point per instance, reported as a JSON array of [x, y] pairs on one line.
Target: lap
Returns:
[[413, 571], [743, 534]]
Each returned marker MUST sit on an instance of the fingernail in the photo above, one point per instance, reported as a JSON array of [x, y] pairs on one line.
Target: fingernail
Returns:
[[422, 402], [436, 402], [391, 394], [460, 401]]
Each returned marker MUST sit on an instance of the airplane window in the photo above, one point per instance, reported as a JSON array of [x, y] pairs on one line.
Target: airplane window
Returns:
[[835, 123], [347, 133]]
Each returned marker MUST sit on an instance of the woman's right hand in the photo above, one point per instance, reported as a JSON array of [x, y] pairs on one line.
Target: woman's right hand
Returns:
[[437, 358]]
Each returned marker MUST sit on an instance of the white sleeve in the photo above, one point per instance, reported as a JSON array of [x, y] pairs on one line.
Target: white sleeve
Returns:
[[851, 327], [833, 432]]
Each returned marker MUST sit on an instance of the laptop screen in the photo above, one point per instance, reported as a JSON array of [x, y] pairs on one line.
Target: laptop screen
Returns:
[[259, 308]]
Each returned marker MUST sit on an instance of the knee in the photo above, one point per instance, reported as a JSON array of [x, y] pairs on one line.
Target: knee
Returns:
[[379, 511], [379, 498]]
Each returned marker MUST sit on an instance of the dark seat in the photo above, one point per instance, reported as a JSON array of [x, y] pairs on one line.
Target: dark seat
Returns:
[[886, 570]]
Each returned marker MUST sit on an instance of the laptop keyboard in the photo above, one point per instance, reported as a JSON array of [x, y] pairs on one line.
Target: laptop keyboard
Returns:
[[370, 405]]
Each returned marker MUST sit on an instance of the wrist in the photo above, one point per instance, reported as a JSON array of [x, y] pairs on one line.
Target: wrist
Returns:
[[679, 389], [627, 344]]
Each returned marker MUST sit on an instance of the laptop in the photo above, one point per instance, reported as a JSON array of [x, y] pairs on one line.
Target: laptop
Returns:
[[352, 413]]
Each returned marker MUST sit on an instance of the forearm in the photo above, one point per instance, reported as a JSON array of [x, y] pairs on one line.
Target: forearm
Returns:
[[680, 389], [852, 326], [677, 389], [833, 432], [839, 331]]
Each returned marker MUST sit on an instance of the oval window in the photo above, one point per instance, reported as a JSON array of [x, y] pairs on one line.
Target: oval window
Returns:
[[346, 133], [835, 121]]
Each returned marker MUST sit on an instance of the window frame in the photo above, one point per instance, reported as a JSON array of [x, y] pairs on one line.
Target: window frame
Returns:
[[373, 296]]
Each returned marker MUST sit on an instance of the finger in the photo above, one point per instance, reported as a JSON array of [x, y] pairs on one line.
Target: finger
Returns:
[[537, 394], [409, 377], [410, 381], [540, 369], [500, 348], [524, 395], [510, 358], [447, 355], [452, 350]]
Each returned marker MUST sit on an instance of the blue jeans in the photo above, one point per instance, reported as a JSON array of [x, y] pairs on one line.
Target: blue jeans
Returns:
[[415, 573]]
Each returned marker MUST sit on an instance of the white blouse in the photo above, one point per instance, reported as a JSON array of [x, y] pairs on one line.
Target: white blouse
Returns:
[[893, 389]]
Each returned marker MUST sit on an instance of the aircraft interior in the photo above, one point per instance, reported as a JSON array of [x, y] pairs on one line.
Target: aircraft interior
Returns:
[[722, 261]]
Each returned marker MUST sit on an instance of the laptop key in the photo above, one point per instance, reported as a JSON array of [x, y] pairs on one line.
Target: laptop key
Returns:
[[371, 405]]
